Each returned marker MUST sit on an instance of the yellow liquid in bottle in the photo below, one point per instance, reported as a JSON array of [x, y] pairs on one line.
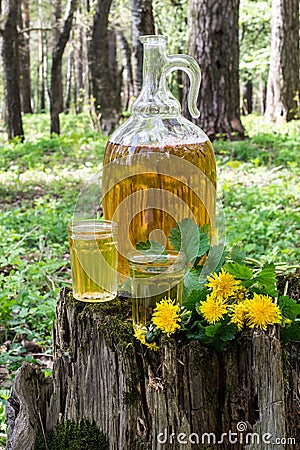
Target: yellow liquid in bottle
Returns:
[[140, 222]]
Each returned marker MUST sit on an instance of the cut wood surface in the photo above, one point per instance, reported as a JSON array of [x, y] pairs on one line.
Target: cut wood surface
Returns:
[[169, 399]]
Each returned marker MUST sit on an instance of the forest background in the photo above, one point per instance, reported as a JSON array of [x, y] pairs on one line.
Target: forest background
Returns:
[[71, 70]]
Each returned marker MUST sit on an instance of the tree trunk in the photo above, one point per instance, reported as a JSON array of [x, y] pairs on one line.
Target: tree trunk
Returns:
[[142, 24], [105, 92], [24, 37], [248, 98], [213, 42], [79, 89], [185, 394], [11, 74], [283, 81], [69, 77], [127, 77], [58, 20], [42, 68], [56, 70]]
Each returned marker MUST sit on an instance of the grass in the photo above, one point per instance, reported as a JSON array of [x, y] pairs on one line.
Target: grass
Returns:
[[40, 182]]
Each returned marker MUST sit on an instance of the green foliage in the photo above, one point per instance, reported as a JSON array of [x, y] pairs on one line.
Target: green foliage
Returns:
[[258, 180], [231, 298], [4, 394], [151, 247], [255, 38], [218, 335], [239, 271], [72, 436], [289, 307], [40, 182]]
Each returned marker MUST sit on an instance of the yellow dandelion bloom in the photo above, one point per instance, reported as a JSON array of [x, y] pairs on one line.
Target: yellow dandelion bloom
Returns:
[[140, 333], [241, 294], [223, 284], [238, 314], [213, 309], [165, 316], [262, 311]]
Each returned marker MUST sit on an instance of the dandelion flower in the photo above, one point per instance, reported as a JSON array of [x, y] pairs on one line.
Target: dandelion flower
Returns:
[[223, 284], [213, 309], [262, 311], [165, 316], [140, 334], [238, 314], [241, 294]]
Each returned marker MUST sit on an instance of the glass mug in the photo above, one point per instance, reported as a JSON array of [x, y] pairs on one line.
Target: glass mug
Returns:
[[154, 277], [94, 259]]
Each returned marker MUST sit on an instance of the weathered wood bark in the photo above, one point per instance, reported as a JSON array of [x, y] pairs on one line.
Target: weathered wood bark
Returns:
[[141, 399], [56, 70], [213, 42], [11, 73], [142, 24], [283, 82]]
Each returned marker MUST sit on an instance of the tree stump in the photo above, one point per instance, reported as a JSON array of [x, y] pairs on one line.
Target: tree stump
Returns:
[[185, 396]]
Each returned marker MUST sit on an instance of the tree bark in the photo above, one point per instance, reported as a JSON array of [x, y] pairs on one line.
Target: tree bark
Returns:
[[142, 24], [56, 70], [69, 80], [105, 92], [127, 77], [11, 73], [283, 81], [143, 399], [247, 98], [213, 42], [24, 38], [42, 67], [79, 63]]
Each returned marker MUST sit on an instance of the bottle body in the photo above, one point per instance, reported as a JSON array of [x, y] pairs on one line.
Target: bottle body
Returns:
[[177, 181]]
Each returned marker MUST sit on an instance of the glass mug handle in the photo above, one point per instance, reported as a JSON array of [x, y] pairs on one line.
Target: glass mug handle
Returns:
[[190, 66]]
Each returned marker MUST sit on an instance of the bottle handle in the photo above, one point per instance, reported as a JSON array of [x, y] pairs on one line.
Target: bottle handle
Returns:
[[190, 66]]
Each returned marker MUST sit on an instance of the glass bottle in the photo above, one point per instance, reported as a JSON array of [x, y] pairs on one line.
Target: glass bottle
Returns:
[[158, 166]]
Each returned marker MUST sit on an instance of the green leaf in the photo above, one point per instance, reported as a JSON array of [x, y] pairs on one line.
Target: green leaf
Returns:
[[143, 245], [237, 254], [289, 307], [212, 330], [204, 245], [216, 258], [194, 297], [290, 333], [238, 270], [197, 332], [151, 247], [185, 237], [265, 279], [191, 282], [216, 336]]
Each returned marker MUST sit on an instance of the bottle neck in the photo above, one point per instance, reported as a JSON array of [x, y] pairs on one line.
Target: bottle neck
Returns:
[[155, 96]]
